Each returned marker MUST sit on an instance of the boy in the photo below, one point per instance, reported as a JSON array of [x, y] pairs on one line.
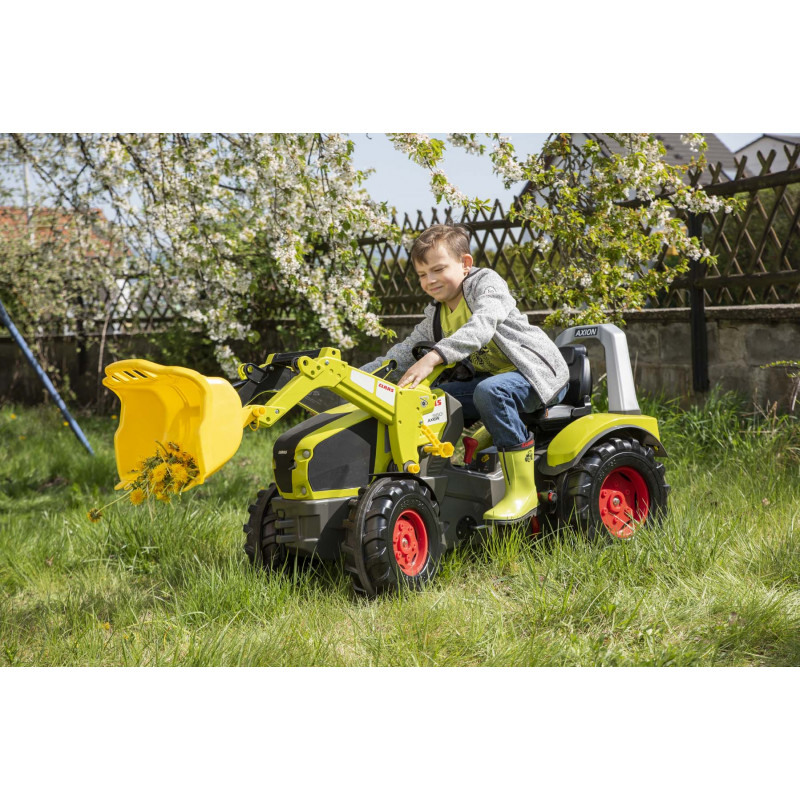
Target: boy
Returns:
[[517, 367]]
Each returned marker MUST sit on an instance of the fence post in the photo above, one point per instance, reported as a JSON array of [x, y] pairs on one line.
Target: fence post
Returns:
[[697, 302]]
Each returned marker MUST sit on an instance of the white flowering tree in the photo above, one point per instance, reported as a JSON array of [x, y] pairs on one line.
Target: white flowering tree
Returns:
[[209, 219], [224, 224]]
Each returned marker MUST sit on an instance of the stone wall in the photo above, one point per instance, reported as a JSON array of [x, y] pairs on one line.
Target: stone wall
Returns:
[[740, 339]]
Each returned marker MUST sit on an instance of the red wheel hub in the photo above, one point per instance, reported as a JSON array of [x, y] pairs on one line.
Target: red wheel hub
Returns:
[[410, 541], [624, 501]]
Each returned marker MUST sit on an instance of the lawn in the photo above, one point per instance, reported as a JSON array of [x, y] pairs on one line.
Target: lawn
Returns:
[[716, 584]]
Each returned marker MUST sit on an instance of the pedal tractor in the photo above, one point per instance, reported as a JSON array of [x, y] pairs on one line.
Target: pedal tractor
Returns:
[[369, 478]]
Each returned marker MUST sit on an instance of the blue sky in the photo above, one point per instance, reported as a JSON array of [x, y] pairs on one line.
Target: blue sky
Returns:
[[405, 185]]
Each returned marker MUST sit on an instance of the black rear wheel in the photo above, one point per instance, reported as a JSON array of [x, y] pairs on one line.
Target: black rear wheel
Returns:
[[393, 537], [261, 546], [615, 489]]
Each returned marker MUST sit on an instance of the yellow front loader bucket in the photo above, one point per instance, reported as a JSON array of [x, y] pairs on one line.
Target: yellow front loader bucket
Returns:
[[204, 416]]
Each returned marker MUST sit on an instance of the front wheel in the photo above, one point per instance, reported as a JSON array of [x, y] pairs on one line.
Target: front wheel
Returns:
[[261, 546], [615, 489], [393, 537]]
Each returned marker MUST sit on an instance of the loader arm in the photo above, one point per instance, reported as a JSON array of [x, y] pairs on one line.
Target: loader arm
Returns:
[[401, 410], [206, 416]]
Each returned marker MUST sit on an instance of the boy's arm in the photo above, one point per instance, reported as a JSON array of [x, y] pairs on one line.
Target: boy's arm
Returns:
[[401, 352], [491, 305]]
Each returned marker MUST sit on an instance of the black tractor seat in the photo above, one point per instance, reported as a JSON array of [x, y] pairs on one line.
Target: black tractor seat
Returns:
[[576, 403]]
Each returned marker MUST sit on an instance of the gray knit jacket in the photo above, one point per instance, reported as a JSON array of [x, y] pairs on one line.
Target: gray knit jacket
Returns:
[[494, 317]]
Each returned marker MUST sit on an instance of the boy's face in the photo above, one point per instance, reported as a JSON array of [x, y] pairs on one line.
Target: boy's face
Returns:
[[441, 275]]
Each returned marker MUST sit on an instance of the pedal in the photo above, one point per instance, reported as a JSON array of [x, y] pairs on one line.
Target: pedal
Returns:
[[550, 497]]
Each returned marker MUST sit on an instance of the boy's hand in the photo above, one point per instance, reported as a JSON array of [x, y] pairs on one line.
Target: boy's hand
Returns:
[[419, 371]]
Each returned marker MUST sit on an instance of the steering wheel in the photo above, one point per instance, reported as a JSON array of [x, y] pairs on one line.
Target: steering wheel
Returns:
[[421, 349]]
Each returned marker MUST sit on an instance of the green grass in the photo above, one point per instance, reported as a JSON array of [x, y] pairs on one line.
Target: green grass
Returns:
[[716, 584]]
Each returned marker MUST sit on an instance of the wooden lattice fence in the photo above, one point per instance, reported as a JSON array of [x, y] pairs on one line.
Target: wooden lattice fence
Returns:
[[757, 249]]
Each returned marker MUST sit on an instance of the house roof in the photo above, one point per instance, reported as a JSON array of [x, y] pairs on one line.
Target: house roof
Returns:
[[775, 137], [678, 153], [48, 224]]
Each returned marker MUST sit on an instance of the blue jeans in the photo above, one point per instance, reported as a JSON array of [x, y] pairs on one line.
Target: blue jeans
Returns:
[[498, 400]]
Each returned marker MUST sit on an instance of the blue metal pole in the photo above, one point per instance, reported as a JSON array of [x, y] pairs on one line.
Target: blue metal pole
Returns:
[[17, 336]]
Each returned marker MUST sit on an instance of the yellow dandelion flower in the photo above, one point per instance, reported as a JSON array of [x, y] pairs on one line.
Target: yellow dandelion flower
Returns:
[[13, 416], [159, 473], [95, 515], [163, 474], [180, 475]]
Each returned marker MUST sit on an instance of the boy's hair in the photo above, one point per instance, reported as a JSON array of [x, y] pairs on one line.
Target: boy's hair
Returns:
[[454, 237]]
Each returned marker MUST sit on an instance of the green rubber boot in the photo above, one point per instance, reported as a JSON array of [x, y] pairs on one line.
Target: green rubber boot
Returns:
[[520, 498]]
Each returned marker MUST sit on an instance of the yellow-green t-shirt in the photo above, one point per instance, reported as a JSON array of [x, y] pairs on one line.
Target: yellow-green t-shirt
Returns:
[[489, 358]]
